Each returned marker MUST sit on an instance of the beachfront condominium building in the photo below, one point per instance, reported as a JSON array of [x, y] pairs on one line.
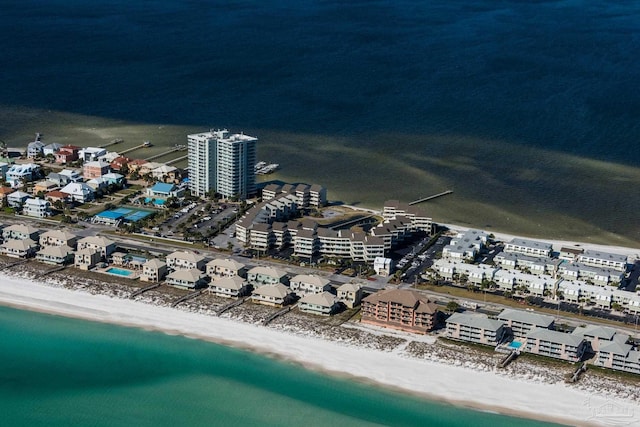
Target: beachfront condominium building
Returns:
[[223, 163]]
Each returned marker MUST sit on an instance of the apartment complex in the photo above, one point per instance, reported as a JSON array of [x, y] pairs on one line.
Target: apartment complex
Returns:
[[400, 309], [222, 162]]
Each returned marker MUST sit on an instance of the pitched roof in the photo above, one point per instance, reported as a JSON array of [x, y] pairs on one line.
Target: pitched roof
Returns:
[[311, 279], [191, 275], [405, 297], [228, 263], [475, 320], [278, 290], [235, 283], [187, 256], [536, 319], [324, 299], [555, 336]]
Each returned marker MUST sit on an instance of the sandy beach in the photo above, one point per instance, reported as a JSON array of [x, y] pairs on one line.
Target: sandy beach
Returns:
[[459, 383]]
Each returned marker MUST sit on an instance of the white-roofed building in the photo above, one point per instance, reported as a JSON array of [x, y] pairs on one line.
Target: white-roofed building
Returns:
[[476, 328], [603, 259], [154, 270], [529, 247], [57, 255], [275, 295], [185, 260], [37, 208], [522, 322], [303, 284], [260, 276], [558, 345], [323, 303], [186, 278], [228, 267], [104, 246], [79, 192], [229, 287]]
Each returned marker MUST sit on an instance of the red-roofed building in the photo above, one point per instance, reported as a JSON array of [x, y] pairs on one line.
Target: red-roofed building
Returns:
[[4, 192], [67, 153], [56, 195], [117, 163]]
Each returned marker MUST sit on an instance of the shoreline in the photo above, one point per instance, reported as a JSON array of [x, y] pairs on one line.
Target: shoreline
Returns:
[[457, 385]]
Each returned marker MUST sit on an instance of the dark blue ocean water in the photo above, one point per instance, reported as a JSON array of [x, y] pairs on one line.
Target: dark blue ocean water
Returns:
[[561, 74], [59, 372], [528, 110]]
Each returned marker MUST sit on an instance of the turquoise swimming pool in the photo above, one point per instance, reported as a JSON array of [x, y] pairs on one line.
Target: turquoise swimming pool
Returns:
[[119, 271], [515, 344]]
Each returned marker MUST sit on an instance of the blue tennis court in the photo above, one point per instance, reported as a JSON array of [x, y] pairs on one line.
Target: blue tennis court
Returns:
[[114, 216]]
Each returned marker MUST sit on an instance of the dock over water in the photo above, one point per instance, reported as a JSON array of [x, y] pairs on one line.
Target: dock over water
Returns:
[[435, 196]]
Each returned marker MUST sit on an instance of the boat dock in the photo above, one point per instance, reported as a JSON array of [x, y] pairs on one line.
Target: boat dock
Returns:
[[113, 142], [137, 147], [435, 196], [170, 162], [173, 150]]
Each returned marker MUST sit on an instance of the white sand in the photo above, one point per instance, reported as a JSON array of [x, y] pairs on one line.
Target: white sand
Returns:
[[439, 381]]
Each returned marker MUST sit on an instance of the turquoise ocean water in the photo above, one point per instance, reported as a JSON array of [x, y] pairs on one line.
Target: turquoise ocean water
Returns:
[[56, 371]]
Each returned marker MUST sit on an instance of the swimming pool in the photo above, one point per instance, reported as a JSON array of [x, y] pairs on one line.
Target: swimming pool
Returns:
[[119, 271], [515, 344]]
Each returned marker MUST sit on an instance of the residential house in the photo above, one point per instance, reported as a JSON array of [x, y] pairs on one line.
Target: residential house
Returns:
[[23, 248], [67, 154], [37, 208], [229, 287], [73, 175], [117, 163], [401, 309], [20, 232], [570, 253], [225, 268], [57, 255], [17, 175], [520, 323], [95, 169], [276, 295], [114, 178], [260, 276], [185, 260], [383, 266], [350, 294], [476, 328], [154, 270], [79, 192], [101, 244], [165, 173], [58, 179], [51, 149], [162, 191], [303, 284], [86, 259], [17, 199], [4, 192], [35, 149], [324, 303], [191, 278], [58, 238], [558, 345], [91, 154], [44, 186], [54, 196]]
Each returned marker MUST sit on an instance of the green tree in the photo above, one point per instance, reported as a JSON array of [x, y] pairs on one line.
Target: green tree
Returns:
[[452, 306]]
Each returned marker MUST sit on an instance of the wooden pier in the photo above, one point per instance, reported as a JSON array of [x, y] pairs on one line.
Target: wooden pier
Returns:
[[508, 359], [14, 264], [173, 150], [145, 289], [137, 147], [113, 142], [435, 196], [229, 306], [278, 314], [53, 270], [186, 297], [170, 162]]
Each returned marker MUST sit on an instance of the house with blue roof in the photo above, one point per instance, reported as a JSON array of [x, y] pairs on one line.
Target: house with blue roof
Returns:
[[162, 191]]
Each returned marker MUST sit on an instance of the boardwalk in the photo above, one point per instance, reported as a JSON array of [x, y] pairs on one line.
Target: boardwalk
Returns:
[[435, 196], [173, 150]]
